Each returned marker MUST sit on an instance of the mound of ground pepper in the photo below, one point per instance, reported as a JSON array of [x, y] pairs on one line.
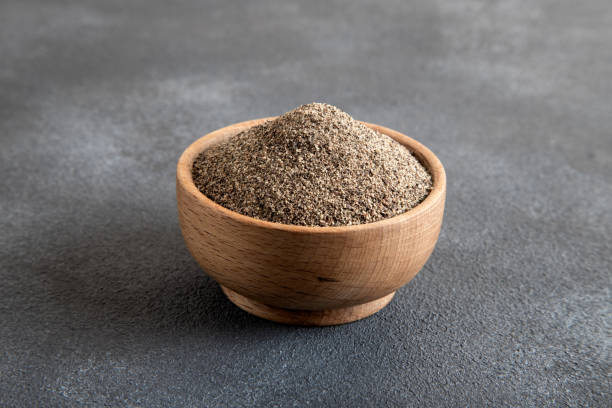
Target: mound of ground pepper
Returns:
[[313, 166]]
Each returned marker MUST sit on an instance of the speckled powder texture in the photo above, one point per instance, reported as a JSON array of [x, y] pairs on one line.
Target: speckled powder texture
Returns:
[[314, 166]]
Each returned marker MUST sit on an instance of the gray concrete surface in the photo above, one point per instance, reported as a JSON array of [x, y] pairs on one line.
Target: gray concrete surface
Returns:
[[100, 302]]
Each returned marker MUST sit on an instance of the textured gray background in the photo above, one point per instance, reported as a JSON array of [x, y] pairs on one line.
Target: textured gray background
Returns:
[[100, 302]]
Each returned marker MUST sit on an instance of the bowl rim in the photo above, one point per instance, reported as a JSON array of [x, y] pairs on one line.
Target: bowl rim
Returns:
[[423, 154]]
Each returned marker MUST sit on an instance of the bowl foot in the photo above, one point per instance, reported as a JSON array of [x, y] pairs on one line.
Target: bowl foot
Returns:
[[307, 317]]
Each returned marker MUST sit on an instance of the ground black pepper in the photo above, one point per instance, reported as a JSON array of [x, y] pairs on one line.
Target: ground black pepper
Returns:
[[315, 166]]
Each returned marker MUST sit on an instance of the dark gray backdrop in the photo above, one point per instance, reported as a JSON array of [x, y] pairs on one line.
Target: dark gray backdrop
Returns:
[[100, 302]]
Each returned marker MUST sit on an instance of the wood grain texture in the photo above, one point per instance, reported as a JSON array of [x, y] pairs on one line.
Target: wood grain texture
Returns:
[[308, 317], [298, 268]]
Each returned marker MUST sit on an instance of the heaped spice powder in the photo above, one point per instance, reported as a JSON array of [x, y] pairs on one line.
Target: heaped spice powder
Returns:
[[314, 166]]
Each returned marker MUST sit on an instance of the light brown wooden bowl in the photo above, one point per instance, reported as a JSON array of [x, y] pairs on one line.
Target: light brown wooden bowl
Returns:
[[308, 275]]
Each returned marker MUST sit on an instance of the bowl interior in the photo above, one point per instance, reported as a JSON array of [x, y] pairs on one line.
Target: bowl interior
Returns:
[[422, 153]]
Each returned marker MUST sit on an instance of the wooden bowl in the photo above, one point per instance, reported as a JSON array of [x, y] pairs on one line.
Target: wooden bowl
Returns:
[[308, 275]]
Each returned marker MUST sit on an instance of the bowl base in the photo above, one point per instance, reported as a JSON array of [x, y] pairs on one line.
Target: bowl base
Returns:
[[307, 317]]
